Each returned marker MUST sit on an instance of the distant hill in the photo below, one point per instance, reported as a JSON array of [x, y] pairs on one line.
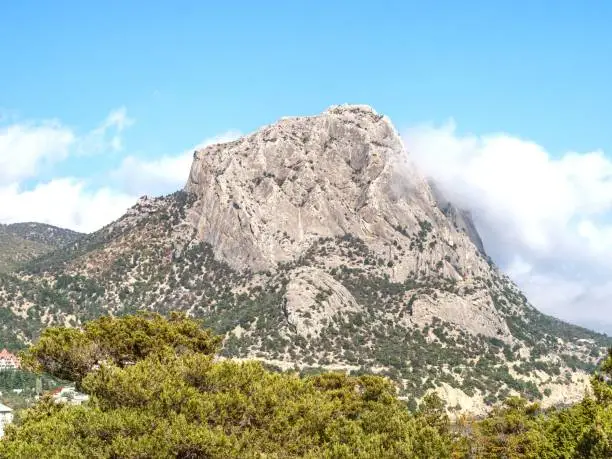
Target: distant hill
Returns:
[[45, 234], [23, 242]]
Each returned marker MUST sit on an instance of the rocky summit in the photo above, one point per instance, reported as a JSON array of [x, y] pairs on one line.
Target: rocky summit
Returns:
[[315, 244]]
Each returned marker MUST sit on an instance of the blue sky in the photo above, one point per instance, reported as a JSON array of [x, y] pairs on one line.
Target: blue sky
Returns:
[[189, 70], [100, 103]]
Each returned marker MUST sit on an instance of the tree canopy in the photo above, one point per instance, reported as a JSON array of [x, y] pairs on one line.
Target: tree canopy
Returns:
[[70, 354], [157, 390]]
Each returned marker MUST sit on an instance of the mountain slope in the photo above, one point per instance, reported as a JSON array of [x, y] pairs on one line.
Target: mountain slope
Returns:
[[22, 242], [315, 243], [42, 233]]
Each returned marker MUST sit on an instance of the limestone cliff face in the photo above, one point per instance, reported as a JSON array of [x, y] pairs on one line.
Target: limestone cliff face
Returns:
[[264, 198], [460, 218]]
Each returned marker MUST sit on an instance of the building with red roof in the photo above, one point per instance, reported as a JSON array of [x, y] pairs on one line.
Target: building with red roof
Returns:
[[8, 360]]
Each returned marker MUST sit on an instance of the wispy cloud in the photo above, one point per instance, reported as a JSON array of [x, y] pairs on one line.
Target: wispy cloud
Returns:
[[107, 136], [28, 149]]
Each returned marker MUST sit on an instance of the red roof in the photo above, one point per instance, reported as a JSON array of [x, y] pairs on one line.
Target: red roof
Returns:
[[56, 391], [6, 354]]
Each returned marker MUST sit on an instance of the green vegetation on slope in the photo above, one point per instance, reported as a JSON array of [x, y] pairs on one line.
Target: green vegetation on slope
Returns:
[[156, 391], [24, 242], [18, 387], [15, 251], [42, 233]]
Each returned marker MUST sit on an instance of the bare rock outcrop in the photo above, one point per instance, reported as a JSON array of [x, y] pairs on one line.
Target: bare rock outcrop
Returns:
[[314, 299], [263, 199]]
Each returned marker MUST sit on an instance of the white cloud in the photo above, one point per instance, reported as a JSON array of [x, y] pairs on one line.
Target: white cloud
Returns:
[[107, 136], [161, 175], [118, 119], [24, 148], [28, 149], [64, 202], [546, 220]]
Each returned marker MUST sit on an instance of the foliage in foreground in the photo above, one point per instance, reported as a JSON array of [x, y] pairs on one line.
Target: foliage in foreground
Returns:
[[71, 354], [157, 391], [173, 400]]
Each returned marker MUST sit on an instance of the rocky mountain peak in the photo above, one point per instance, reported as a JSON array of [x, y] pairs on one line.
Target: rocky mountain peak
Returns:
[[315, 243], [263, 199]]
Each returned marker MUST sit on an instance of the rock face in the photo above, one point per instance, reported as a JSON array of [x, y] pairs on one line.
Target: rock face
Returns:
[[265, 198], [316, 243], [460, 218], [313, 298]]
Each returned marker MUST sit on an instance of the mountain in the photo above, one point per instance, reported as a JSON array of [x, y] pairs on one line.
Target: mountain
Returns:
[[315, 243], [21, 242]]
